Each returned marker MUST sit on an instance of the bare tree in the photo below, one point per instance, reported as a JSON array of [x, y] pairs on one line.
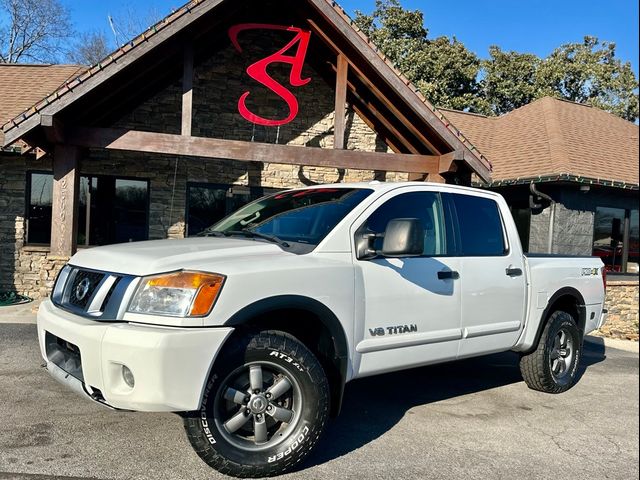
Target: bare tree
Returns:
[[128, 23], [34, 30], [90, 48]]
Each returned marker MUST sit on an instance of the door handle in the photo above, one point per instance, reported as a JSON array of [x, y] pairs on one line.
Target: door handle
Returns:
[[448, 274], [514, 272]]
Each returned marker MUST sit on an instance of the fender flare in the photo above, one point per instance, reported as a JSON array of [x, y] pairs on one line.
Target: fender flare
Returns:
[[317, 308], [563, 292]]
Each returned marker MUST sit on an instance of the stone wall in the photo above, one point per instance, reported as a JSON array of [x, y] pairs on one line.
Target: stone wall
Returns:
[[573, 231], [622, 304], [539, 232], [29, 271], [36, 271], [219, 82]]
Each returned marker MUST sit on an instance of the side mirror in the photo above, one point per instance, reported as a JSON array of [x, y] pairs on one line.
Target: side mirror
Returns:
[[404, 237]]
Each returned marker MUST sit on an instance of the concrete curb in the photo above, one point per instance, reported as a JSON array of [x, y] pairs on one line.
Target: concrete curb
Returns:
[[24, 314], [626, 345]]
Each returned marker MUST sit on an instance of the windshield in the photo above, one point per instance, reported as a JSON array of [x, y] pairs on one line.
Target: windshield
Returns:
[[301, 216]]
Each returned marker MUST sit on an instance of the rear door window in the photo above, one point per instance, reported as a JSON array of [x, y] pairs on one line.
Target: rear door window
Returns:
[[478, 226]]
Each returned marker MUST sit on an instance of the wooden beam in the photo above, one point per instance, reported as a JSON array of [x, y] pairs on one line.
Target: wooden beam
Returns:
[[137, 141], [360, 109], [435, 178], [369, 84], [365, 118], [123, 62], [345, 30], [187, 90], [448, 161], [341, 101], [53, 129], [380, 117], [64, 215]]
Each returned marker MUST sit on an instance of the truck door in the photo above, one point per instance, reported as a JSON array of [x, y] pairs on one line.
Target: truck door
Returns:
[[408, 313], [492, 275]]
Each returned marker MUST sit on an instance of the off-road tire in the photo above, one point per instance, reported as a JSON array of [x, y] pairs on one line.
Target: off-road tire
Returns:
[[233, 453], [537, 367]]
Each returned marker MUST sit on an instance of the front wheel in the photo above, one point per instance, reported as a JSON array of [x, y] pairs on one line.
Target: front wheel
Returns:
[[553, 366], [264, 407]]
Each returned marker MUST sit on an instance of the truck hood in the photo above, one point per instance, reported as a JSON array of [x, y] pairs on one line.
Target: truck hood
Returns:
[[158, 256]]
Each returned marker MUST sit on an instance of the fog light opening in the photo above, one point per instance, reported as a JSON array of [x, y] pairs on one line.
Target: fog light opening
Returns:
[[127, 376]]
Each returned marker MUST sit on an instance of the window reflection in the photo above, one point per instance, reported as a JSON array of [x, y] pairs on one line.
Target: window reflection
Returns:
[[39, 208], [209, 203], [110, 210]]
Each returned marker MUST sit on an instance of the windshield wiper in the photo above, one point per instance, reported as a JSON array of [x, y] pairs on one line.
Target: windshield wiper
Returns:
[[249, 233], [210, 233]]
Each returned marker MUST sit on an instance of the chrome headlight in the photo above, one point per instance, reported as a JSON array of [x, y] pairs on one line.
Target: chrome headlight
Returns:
[[179, 294]]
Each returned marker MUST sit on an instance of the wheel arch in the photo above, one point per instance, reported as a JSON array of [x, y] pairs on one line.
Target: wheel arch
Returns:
[[567, 299], [324, 336]]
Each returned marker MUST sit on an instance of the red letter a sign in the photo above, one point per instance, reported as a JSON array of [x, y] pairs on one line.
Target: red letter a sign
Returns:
[[258, 71]]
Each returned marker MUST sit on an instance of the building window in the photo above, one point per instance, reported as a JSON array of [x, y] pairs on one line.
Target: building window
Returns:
[[522, 219], [118, 209], [633, 261], [615, 239], [39, 201], [208, 203]]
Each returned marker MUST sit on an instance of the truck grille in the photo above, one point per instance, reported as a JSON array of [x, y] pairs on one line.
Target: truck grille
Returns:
[[83, 287], [93, 294]]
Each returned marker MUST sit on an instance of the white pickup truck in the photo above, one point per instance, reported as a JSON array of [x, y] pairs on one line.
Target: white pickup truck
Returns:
[[252, 329]]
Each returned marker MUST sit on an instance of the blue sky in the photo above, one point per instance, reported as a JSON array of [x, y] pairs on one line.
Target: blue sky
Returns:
[[535, 26]]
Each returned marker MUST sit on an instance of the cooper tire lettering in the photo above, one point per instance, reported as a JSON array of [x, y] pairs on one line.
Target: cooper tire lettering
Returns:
[[290, 390]]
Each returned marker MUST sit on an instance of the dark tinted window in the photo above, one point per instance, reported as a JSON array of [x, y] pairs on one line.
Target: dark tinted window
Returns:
[[303, 216], [210, 203], [608, 237], [117, 213], [424, 206], [479, 226], [39, 208]]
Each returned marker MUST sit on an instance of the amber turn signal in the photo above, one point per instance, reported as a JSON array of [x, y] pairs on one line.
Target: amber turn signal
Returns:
[[207, 286]]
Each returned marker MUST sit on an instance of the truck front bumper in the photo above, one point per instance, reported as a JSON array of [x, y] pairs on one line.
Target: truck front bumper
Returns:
[[169, 366]]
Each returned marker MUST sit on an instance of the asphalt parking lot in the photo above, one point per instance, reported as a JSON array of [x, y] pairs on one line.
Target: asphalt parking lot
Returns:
[[470, 419]]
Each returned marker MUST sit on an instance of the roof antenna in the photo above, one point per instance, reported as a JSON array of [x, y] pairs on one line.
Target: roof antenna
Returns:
[[113, 29]]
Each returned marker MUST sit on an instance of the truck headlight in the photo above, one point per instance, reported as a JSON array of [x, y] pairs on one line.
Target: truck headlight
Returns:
[[179, 294]]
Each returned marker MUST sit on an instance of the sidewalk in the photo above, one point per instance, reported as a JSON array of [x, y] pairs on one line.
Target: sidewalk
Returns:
[[25, 313]]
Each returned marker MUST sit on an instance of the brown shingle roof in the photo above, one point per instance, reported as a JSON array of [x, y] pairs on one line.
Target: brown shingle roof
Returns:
[[552, 137], [460, 142], [21, 86]]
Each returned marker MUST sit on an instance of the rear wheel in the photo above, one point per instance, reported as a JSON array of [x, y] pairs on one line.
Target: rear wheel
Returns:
[[553, 366], [264, 407]]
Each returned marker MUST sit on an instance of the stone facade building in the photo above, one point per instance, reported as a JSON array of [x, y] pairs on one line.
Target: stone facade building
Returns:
[[181, 126], [569, 173], [175, 129]]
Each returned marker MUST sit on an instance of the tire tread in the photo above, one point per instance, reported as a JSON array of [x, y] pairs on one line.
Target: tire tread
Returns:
[[290, 345], [533, 366]]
